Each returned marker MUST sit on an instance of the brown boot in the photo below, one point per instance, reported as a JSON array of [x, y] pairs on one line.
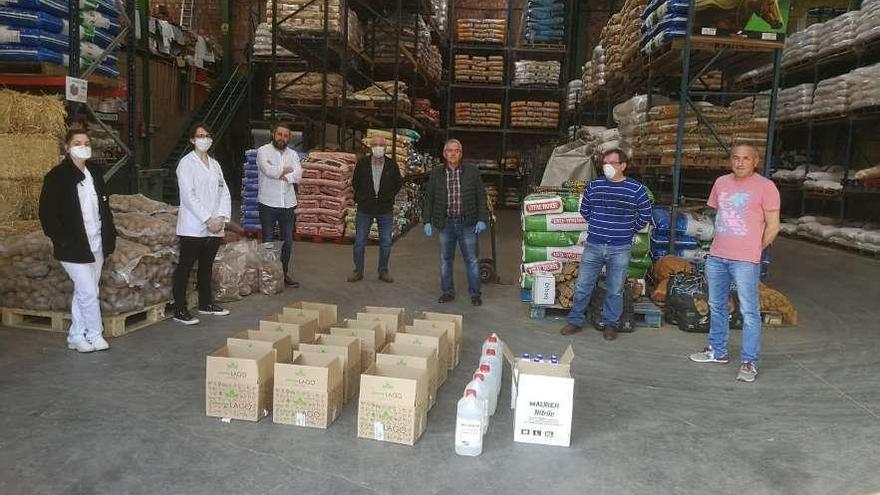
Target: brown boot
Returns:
[[386, 278], [610, 333], [569, 329], [355, 277]]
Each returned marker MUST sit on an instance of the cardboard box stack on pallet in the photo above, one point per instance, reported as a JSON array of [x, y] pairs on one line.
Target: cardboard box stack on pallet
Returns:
[[304, 365]]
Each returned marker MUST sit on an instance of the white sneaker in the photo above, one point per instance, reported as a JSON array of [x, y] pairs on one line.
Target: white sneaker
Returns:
[[80, 344], [100, 344]]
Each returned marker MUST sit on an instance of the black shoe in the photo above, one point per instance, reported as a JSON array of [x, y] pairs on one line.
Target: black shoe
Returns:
[[476, 301], [213, 310], [184, 316], [445, 298]]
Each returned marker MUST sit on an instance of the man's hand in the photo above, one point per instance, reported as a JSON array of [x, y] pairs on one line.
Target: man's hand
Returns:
[[428, 230], [286, 170], [480, 228], [215, 225]]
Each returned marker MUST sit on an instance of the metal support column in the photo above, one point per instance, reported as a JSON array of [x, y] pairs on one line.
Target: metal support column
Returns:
[[683, 100], [131, 94], [273, 93], [394, 99], [146, 105], [771, 120], [326, 67]]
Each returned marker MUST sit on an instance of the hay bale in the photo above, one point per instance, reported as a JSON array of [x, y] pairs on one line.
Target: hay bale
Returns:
[[28, 156], [22, 113], [18, 227], [21, 199]]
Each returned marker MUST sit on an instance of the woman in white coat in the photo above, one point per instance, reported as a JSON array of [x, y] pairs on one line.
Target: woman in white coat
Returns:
[[205, 207]]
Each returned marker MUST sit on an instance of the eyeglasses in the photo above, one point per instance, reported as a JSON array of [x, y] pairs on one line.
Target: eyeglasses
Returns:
[[203, 135], [612, 163]]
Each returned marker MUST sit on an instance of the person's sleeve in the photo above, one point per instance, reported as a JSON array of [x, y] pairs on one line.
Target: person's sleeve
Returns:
[[189, 198], [50, 214], [585, 203], [482, 205], [356, 177], [713, 196], [266, 168], [428, 203], [771, 202], [643, 208], [224, 207], [396, 178], [297, 168]]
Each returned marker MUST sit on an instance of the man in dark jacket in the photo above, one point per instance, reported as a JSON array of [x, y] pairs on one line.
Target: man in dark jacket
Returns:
[[455, 205], [376, 182]]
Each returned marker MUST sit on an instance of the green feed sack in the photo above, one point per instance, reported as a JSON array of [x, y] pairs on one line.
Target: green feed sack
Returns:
[[554, 239], [635, 272], [571, 202], [532, 254], [641, 246], [541, 204], [642, 263], [562, 222]]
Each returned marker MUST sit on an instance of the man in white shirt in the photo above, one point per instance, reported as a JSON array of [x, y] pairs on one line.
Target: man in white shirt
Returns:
[[279, 171]]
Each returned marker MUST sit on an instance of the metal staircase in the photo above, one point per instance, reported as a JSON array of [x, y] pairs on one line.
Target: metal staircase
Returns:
[[217, 112]]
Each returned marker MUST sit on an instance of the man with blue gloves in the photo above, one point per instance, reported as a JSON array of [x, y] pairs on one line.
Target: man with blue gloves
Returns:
[[455, 205]]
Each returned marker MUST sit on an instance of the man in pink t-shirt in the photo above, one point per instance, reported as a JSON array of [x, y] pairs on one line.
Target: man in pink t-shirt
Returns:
[[747, 221]]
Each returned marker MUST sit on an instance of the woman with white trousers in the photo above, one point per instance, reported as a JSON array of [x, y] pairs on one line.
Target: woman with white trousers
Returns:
[[75, 214]]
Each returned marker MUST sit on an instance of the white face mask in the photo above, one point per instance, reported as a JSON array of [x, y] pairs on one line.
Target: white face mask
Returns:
[[378, 151], [609, 170], [203, 144], [81, 152]]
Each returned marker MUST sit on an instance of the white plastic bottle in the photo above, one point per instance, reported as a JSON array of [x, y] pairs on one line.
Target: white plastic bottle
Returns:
[[493, 342], [469, 425], [492, 381], [495, 361], [479, 385]]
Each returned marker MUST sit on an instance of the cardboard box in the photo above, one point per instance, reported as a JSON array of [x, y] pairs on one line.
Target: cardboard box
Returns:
[[295, 315], [459, 331], [389, 323], [543, 395], [371, 341], [434, 338], [327, 313], [349, 351], [449, 327], [280, 342], [399, 312], [302, 329], [413, 356], [393, 404], [238, 380], [308, 391], [376, 326]]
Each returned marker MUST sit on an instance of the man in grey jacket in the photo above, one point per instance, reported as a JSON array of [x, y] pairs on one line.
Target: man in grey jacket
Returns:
[[455, 205]]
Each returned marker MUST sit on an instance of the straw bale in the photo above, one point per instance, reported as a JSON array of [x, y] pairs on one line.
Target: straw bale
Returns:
[[28, 156], [21, 199], [22, 113]]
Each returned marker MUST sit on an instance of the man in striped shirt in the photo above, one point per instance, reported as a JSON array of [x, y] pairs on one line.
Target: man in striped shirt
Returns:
[[615, 207]]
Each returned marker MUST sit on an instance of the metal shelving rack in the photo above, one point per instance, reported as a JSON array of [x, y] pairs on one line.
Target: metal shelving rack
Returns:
[[97, 85], [511, 51], [330, 52]]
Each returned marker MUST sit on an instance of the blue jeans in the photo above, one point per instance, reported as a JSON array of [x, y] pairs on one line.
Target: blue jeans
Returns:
[[719, 274], [363, 222], [286, 220], [615, 259], [458, 232]]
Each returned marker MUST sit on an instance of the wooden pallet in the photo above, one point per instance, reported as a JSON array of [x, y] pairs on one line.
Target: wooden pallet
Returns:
[[59, 321], [33, 68], [648, 313], [321, 239]]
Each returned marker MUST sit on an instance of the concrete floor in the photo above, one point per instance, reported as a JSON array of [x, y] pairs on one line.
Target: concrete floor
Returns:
[[131, 420]]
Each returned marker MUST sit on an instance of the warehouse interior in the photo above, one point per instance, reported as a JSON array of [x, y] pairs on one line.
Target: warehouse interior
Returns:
[[535, 92]]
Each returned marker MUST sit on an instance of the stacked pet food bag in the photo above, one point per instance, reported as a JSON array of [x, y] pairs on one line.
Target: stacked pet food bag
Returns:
[[694, 231], [37, 31], [250, 179]]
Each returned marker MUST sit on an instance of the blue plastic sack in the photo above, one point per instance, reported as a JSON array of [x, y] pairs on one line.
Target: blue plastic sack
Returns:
[[18, 53], [55, 7], [98, 36], [662, 238], [31, 19], [36, 38]]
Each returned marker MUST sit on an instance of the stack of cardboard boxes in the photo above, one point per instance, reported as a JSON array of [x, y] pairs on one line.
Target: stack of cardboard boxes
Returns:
[[304, 365]]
